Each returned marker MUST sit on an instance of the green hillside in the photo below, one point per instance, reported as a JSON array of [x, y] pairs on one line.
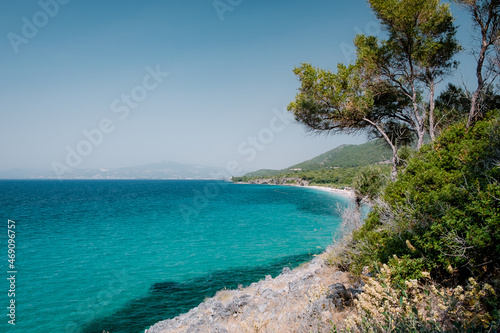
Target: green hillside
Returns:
[[347, 156], [344, 156], [336, 168], [264, 173]]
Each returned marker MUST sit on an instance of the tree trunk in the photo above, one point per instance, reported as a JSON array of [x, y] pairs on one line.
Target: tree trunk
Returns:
[[395, 159], [418, 120], [479, 74], [420, 140], [394, 170], [473, 108], [432, 129]]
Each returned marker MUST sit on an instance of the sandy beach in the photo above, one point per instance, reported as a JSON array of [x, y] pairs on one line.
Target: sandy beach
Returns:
[[346, 193]]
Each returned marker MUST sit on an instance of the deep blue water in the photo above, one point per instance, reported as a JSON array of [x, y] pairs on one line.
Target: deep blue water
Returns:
[[120, 255]]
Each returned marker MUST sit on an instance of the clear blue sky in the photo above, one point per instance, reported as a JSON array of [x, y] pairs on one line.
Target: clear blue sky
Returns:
[[229, 68]]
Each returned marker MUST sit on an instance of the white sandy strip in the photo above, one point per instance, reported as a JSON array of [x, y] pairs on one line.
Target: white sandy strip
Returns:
[[345, 193]]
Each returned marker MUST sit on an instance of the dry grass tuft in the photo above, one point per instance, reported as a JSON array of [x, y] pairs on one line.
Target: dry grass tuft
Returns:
[[417, 307]]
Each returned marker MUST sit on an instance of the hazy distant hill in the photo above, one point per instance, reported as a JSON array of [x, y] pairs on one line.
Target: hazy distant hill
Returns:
[[343, 156], [172, 170], [162, 170]]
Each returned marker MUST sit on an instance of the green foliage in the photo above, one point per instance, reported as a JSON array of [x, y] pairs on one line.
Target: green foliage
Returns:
[[399, 134], [419, 31], [407, 268], [328, 101], [338, 178], [346, 156], [263, 173], [380, 94], [337, 167], [418, 52], [446, 205], [368, 184], [453, 105], [405, 153]]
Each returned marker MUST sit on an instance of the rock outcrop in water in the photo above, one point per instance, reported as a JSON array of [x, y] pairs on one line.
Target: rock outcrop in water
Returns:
[[308, 298]]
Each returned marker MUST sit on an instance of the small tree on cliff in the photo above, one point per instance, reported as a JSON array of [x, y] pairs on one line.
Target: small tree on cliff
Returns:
[[417, 54], [344, 102], [367, 185]]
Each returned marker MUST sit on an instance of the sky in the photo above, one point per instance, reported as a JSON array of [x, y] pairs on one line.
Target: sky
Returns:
[[108, 84]]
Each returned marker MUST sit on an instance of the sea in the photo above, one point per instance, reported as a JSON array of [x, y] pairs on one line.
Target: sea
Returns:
[[87, 256]]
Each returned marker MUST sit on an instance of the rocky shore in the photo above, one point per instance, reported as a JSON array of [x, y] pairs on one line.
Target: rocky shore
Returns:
[[311, 298], [278, 181]]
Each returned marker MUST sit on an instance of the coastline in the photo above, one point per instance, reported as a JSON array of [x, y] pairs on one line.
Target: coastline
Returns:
[[314, 295], [346, 193]]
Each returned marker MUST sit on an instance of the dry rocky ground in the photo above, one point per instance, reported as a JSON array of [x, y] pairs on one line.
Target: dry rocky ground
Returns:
[[311, 298]]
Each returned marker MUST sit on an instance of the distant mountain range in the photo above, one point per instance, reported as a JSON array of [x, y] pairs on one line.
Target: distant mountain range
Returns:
[[343, 156], [161, 170]]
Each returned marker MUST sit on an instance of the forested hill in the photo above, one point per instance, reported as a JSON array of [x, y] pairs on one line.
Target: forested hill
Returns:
[[344, 156]]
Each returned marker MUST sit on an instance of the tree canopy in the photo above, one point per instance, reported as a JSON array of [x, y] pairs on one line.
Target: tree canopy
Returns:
[[382, 92]]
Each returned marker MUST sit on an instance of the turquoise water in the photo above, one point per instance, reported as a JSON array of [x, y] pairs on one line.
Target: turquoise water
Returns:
[[120, 255]]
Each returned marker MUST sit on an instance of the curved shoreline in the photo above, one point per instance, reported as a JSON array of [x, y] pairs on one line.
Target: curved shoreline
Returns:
[[346, 193], [311, 296]]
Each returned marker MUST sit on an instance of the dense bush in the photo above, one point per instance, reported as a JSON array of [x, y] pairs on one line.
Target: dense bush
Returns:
[[443, 213]]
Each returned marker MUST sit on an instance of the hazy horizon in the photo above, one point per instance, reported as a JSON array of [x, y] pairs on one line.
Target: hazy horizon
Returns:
[[120, 84]]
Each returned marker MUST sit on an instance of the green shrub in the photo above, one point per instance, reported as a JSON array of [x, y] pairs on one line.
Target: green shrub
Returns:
[[446, 204]]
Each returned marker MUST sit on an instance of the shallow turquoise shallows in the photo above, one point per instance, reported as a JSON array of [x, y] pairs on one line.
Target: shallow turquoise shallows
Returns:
[[120, 255]]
